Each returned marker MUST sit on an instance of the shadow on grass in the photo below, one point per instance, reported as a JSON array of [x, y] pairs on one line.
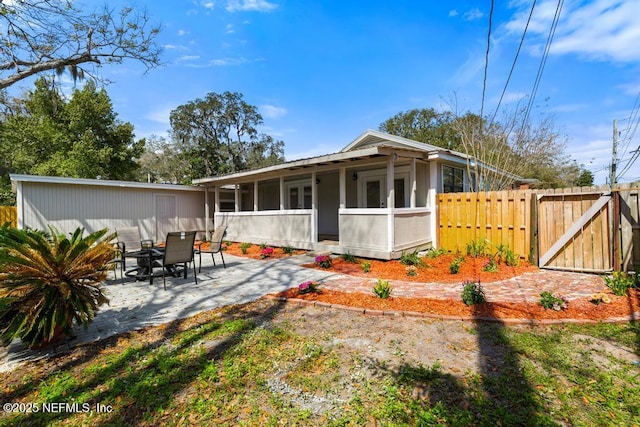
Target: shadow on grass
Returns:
[[499, 394], [142, 380]]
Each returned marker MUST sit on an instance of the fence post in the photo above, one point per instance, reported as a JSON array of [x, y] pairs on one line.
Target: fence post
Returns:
[[533, 239], [616, 230]]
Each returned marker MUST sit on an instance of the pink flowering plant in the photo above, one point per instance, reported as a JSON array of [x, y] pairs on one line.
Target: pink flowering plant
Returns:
[[266, 252], [307, 287], [323, 261]]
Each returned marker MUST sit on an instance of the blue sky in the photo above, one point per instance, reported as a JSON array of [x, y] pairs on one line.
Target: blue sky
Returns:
[[323, 72]]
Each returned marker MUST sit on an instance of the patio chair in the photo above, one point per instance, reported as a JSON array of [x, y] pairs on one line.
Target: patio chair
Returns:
[[128, 240], [117, 260], [178, 252], [215, 246]]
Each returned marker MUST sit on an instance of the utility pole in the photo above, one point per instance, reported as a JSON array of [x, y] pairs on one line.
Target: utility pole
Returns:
[[614, 160]]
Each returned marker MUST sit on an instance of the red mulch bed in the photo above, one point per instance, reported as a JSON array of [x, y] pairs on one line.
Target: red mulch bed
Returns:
[[437, 270], [254, 251], [577, 309]]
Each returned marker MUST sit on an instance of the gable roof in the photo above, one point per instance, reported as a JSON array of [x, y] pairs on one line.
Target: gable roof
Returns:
[[370, 138]]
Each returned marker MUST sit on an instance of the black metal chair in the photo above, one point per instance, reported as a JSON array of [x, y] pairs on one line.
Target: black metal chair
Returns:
[[128, 241], [178, 253], [215, 247]]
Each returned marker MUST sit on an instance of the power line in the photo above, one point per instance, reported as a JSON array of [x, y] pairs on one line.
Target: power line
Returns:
[[545, 54], [515, 59], [486, 60]]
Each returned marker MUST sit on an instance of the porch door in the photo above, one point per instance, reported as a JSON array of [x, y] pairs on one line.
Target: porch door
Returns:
[[166, 216]]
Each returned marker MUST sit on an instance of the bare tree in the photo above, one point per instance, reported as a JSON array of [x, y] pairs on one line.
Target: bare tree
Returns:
[[499, 152], [56, 35]]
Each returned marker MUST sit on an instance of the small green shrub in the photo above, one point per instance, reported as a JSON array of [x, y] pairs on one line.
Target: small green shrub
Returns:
[[244, 247], [490, 265], [349, 258], [366, 266], [263, 246], [411, 270], [411, 259], [551, 301], [620, 281], [382, 289], [435, 253], [506, 255], [472, 293], [288, 250], [454, 267], [477, 248]]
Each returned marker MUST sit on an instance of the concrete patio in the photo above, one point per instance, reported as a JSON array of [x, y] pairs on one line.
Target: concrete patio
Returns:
[[135, 305]]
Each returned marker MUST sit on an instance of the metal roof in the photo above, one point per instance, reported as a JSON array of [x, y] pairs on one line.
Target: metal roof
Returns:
[[100, 182]]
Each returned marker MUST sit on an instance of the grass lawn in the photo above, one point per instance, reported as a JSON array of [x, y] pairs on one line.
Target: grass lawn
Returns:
[[236, 366]]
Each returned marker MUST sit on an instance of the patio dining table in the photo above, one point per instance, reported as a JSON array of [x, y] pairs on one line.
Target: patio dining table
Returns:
[[146, 259]]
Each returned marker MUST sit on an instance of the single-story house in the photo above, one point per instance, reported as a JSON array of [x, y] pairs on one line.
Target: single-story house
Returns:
[[374, 198]]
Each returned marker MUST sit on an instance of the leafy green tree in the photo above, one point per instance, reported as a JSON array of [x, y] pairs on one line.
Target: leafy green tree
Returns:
[[218, 134], [424, 125], [162, 162], [53, 35], [585, 179], [81, 137]]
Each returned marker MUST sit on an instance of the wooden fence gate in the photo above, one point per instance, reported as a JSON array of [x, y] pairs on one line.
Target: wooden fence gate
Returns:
[[574, 231]]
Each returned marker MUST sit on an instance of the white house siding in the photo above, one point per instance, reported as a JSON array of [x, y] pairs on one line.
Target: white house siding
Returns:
[[364, 229], [282, 228], [93, 207], [412, 228]]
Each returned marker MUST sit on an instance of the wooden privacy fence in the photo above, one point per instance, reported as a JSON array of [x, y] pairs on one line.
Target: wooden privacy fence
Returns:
[[501, 217], [9, 214], [590, 229]]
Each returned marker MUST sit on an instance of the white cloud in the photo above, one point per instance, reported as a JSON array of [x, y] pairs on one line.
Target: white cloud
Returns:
[[160, 115], [453, 12], [186, 58], [230, 29], [208, 4], [472, 15], [604, 30], [250, 5], [182, 33], [272, 112]]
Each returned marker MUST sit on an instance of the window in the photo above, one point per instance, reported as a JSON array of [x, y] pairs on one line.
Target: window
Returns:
[[452, 179]]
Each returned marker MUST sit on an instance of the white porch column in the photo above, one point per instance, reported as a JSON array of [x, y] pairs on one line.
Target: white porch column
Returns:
[[236, 197], [391, 201], [434, 184], [216, 204], [343, 188], [206, 212], [412, 183], [255, 195], [281, 193], [314, 208]]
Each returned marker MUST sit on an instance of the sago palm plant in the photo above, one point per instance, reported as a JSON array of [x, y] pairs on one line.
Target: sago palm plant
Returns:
[[49, 281]]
